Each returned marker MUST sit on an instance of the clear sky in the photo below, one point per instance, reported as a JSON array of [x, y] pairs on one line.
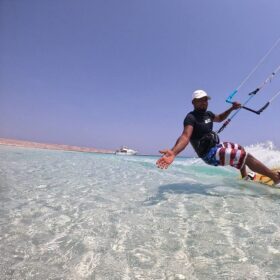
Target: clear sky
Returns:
[[106, 73]]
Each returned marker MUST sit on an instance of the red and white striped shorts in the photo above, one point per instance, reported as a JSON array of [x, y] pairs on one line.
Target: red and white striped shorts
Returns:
[[226, 153]]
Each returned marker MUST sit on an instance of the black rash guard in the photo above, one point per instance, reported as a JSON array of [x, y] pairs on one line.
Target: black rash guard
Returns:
[[202, 123]]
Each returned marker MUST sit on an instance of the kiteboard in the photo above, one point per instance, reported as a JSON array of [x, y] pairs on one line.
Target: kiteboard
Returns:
[[261, 179]]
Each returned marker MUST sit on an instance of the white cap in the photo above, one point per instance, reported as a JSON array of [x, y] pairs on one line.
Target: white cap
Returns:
[[199, 93]]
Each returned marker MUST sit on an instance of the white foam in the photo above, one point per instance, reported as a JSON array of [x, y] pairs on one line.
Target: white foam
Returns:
[[266, 152]]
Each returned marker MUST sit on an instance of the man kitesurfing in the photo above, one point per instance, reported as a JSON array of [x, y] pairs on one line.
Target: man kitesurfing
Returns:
[[198, 129]]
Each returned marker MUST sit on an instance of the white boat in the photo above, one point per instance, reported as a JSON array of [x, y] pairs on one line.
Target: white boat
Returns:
[[125, 151]]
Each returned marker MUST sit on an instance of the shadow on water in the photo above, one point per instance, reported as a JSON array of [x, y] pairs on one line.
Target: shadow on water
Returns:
[[232, 189], [180, 188]]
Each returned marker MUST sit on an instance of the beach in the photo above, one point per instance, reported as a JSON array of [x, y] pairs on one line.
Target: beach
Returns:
[[48, 146]]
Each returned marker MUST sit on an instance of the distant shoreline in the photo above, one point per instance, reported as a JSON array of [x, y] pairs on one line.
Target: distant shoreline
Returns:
[[29, 144]]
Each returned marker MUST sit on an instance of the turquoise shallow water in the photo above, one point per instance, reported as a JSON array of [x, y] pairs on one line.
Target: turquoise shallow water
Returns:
[[68, 215]]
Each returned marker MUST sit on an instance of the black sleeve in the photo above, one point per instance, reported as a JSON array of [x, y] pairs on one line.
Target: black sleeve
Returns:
[[189, 120]]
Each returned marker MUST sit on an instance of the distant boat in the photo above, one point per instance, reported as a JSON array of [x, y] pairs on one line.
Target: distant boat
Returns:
[[125, 151]]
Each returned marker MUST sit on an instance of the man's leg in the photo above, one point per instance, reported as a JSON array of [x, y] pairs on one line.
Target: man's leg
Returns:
[[243, 171], [259, 167], [233, 154]]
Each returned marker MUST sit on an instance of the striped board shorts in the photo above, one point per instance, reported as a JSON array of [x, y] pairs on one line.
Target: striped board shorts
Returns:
[[226, 153]]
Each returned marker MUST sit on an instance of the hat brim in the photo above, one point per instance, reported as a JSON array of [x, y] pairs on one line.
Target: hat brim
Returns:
[[208, 97]]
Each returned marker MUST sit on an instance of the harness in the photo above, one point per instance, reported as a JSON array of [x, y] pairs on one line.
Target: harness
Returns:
[[207, 142]]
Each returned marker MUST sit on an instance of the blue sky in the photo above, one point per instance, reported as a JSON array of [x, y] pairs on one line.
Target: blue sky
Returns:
[[106, 73]]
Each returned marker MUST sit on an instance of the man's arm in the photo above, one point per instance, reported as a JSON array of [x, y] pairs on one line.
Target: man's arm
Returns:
[[182, 142], [221, 117]]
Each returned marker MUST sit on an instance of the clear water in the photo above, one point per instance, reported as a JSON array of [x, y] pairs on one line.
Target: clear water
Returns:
[[68, 215]]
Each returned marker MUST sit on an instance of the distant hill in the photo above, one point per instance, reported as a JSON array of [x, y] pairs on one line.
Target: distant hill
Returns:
[[28, 144]]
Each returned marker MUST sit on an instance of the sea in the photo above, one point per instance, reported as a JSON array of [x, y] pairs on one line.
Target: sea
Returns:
[[72, 215]]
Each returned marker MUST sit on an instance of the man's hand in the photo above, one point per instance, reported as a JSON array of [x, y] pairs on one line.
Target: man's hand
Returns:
[[236, 105], [167, 158]]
